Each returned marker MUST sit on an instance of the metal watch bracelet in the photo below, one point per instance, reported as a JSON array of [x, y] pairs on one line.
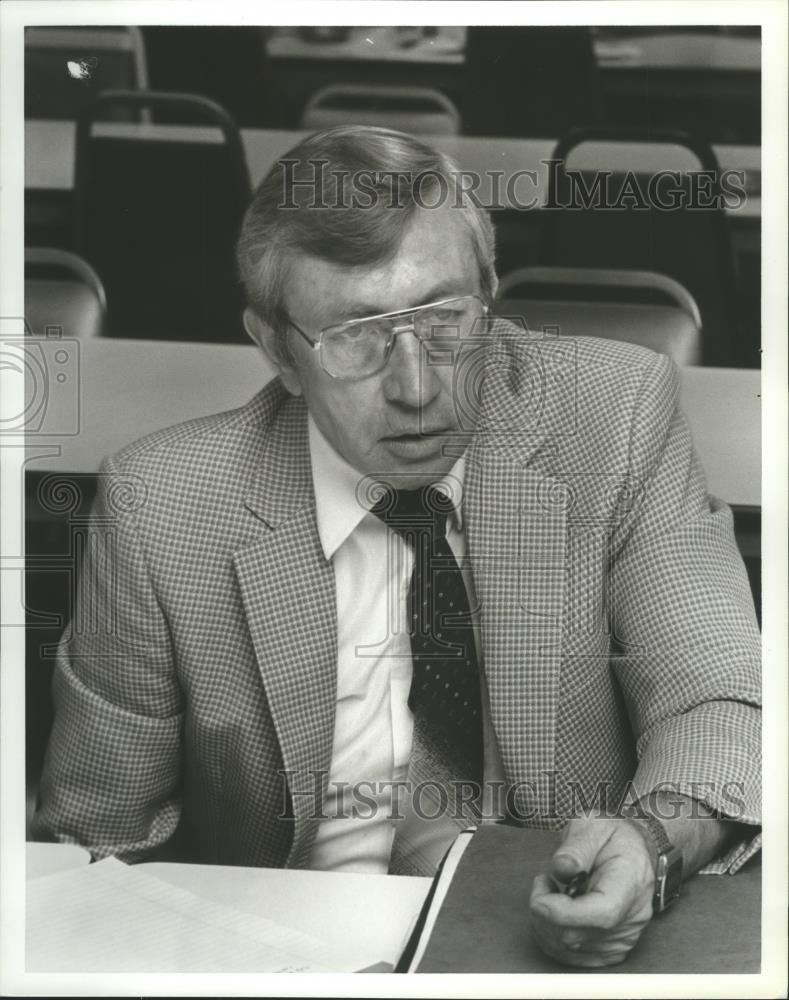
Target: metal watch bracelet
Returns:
[[668, 865]]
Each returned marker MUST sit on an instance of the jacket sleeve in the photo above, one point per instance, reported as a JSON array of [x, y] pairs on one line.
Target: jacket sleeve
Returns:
[[686, 638], [111, 773]]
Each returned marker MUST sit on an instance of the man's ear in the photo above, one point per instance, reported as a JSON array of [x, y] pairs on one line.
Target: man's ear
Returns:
[[266, 339]]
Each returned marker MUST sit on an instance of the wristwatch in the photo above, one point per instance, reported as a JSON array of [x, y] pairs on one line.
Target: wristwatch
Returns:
[[668, 867]]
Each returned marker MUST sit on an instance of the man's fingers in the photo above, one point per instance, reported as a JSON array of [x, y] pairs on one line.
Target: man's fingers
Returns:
[[600, 926], [582, 842], [593, 909], [541, 886], [582, 957], [594, 960]]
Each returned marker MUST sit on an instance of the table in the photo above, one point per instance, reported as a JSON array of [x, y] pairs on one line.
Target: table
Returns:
[[376, 43], [714, 928], [708, 82], [49, 159], [118, 390], [681, 50], [672, 50], [376, 912]]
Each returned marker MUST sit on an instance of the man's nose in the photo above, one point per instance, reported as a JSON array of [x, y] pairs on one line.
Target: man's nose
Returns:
[[408, 377]]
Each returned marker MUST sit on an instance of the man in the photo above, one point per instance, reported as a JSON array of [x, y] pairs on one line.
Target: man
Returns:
[[273, 672]]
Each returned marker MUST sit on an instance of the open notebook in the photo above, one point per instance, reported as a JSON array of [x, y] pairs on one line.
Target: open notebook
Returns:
[[112, 917]]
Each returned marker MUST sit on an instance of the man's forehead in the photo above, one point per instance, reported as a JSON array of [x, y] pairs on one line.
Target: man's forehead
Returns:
[[414, 273]]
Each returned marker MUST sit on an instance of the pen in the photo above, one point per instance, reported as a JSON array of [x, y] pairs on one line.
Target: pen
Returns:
[[577, 885]]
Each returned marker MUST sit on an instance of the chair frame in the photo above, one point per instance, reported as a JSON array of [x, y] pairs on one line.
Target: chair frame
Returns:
[[428, 94], [150, 99], [205, 119], [679, 298], [78, 266], [603, 277], [558, 190]]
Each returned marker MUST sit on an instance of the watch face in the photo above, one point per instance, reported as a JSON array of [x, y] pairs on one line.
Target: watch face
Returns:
[[669, 878]]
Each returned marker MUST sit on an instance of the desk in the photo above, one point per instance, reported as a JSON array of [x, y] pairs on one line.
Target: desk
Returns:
[[376, 43], [681, 50], [127, 388], [376, 912], [49, 159], [714, 928], [672, 50], [701, 82]]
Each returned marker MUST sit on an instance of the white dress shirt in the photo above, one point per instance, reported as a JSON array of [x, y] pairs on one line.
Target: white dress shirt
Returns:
[[373, 724]]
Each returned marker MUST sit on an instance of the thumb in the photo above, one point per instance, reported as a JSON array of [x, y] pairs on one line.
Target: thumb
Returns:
[[579, 849]]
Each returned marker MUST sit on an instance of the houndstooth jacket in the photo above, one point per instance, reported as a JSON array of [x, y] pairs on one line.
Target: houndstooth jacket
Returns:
[[195, 689]]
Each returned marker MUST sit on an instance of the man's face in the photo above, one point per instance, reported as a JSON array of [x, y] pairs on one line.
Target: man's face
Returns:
[[399, 420]]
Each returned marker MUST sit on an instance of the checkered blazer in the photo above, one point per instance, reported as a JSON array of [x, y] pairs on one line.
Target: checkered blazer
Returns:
[[195, 689]]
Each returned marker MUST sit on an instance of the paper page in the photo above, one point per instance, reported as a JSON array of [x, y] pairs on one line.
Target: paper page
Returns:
[[112, 917], [44, 859]]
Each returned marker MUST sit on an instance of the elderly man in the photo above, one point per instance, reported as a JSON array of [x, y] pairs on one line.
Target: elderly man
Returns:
[[440, 570]]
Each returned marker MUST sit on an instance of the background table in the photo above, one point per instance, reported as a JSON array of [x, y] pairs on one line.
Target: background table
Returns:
[[676, 49], [49, 158], [118, 390]]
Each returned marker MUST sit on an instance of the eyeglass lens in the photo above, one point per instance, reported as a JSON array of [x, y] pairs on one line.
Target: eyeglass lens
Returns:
[[359, 347]]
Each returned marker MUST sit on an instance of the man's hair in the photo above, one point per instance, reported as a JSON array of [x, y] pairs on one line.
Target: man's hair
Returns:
[[346, 196]]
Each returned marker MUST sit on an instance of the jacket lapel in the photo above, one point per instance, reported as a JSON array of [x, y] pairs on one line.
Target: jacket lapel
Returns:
[[517, 535], [287, 589]]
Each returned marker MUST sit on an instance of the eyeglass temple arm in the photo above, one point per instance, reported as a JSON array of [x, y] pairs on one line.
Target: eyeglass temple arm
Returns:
[[314, 344]]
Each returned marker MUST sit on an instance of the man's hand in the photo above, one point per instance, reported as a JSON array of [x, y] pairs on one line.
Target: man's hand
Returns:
[[602, 925]]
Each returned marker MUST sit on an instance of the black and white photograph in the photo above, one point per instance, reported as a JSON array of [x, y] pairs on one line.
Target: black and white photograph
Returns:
[[389, 412]]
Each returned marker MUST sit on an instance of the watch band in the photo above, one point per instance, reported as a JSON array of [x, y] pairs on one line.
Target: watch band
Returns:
[[668, 863]]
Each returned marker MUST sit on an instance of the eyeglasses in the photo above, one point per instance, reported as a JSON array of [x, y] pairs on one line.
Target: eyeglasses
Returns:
[[361, 347]]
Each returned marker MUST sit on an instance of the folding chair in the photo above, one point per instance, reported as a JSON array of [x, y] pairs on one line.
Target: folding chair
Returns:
[[673, 220], [407, 109], [63, 291], [157, 212], [639, 307], [535, 81]]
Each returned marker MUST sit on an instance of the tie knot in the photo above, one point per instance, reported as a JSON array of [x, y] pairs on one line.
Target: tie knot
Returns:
[[410, 511]]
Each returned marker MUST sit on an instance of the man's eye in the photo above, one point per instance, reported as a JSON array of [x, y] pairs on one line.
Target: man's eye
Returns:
[[443, 315], [351, 333]]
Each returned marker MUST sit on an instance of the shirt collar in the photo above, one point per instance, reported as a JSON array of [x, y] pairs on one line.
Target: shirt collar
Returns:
[[339, 507]]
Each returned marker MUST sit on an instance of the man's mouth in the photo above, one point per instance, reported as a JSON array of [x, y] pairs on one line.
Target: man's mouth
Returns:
[[417, 435]]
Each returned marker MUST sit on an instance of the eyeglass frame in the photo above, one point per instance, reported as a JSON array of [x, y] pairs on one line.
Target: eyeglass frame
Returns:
[[395, 332]]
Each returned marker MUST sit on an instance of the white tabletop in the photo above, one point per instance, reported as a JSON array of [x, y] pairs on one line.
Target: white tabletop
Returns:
[[672, 50], [117, 390], [376, 43]]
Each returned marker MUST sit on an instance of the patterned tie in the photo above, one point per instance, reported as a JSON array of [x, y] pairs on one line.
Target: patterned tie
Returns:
[[444, 697]]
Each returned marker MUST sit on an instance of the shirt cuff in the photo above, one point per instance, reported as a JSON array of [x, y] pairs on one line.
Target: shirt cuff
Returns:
[[735, 857]]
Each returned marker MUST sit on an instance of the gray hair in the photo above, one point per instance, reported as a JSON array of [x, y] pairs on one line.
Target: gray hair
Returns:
[[346, 195]]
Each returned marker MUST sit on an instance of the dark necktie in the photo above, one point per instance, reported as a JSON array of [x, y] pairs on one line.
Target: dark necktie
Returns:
[[445, 689]]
